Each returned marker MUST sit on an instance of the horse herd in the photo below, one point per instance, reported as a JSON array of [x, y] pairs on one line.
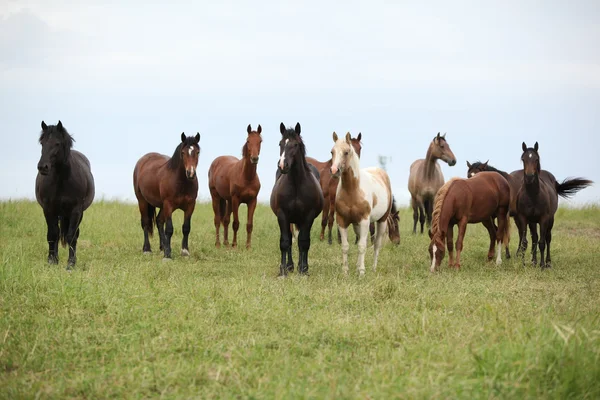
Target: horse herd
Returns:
[[304, 188]]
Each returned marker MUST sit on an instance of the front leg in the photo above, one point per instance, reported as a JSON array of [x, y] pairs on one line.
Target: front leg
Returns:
[[304, 245], [52, 236], [450, 245], [534, 242], [462, 229], [166, 212], [285, 243], [235, 205], [72, 236], [186, 228], [343, 230], [250, 223], [362, 246]]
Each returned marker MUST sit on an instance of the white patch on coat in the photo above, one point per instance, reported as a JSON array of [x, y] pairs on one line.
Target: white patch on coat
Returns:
[[191, 150], [432, 269], [530, 155], [282, 158]]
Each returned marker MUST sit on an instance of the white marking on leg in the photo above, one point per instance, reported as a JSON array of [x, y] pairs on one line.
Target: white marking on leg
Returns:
[[499, 253], [432, 269], [185, 252]]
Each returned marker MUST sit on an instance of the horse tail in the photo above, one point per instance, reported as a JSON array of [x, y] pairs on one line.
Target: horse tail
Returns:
[[438, 203], [63, 226], [222, 207], [569, 187], [152, 217]]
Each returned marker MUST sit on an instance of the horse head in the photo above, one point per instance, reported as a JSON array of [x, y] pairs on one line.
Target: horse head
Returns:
[[440, 149], [342, 154], [357, 144], [253, 142], [437, 250], [190, 151], [531, 162], [476, 167], [290, 146], [56, 147]]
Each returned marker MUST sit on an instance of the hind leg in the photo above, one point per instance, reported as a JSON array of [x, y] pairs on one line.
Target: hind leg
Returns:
[[186, 228], [160, 226], [72, 234], [462, 229], [450, 245], [235, 206], [521, 225], [542, 242], [491, 228], [534, 242], [324, 219], [285, 243], [250, 222], [415, 207], [52, 236], [429, 211], [304, 245], [217, 204], [548, 240], [145, 211], [422, 217], [226, 220], [379, 234]]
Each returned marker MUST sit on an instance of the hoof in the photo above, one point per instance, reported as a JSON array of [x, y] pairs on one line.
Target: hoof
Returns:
[[185, 253], [167, 259], [218, 245], [71, 264], [498, 262], [52, 260], [146, 252]]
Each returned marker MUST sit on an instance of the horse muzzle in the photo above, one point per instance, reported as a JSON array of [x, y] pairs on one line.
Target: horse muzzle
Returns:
[[452, 162], [43, 169], [190, 174], [254, 160]]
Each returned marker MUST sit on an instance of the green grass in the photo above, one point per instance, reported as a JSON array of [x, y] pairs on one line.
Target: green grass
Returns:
[[221, 325]]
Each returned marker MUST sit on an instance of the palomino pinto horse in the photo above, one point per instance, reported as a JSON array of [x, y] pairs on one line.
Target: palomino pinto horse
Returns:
[[231, 182], [426, 179], [329, 184], [64, 187], [537, 201], [363, 196], [168, 184], [463, 201], [296, 199]]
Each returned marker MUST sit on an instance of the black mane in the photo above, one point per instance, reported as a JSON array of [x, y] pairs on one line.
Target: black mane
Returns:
[[58, 132], [291, 134], [478, 164], [175, 160]]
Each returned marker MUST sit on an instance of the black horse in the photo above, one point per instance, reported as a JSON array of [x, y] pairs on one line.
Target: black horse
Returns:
[[537, 201], [296, 199], [64, 187]]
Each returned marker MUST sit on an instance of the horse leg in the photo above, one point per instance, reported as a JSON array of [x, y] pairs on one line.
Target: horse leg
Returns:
[[285, 244], [379, 234], [145, 211], [450, 245], [304, 245], [168, 230], [226, 220], [548, 240], [324, 219], [356, 229], [429, 211], [415, 207], [186, 228], [52, 236], [160, 226], [534, 242], [521, 225], [218, 205], [542, 241], [491, 228], [330, 221], [235, 206], [345, 246], [500, 235], [462, 229], [362, 246], [422, 217], [250, 222], [72, 235]]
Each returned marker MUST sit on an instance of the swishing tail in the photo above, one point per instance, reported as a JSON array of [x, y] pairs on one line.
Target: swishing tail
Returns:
[[569, 187]]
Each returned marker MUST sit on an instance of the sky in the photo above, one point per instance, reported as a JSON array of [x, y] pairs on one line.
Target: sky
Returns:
[[127, 77]]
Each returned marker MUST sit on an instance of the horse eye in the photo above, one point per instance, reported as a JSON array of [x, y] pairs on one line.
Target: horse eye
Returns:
[[346, 153]]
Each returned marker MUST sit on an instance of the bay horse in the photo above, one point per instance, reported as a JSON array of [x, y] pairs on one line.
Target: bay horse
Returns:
[[168, 184], [329, 185], [537, 202], [231, 182], [296, 199], [426, 178], [362, 196], [64, 188], [468, 201]]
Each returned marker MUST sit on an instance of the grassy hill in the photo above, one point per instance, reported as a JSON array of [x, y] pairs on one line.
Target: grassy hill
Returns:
[[221, 325]]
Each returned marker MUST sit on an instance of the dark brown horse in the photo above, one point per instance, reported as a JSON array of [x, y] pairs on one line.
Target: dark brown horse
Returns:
[[231, 182], [426, 179], [469, 201], [296, 199], [168, 184], [64, 187], [537, 202], [329, 184]]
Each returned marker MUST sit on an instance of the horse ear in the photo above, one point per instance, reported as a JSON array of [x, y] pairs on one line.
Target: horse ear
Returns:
[[348, 138], [297, 128], [182, 136], [444, 136], [282, 128], [359, 136], [335, 137], [485, 163], [524, 147], [59, 125], [468, 164], [197, 137], [249, 129], [438, 136], [44, 126], [259, 129], [535, 146]]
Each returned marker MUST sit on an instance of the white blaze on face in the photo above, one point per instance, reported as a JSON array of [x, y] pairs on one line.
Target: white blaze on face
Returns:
[[282, 158], [530, 155], [432, 269], [191, 151]]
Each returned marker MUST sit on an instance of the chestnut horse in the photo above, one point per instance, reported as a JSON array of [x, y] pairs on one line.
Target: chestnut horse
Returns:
[[232, 181], [296, 198], [468, 201], [362, 196], [426, 179], [329, 185], [168, 184], [537, 202], [64, 187]]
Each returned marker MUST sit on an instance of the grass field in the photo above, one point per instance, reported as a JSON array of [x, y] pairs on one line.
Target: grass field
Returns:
[[221, 325]]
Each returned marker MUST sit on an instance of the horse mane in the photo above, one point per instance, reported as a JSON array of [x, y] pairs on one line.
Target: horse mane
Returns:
[[291, 134], [62, 134], [439, 202], [175, 160], [489, 168]]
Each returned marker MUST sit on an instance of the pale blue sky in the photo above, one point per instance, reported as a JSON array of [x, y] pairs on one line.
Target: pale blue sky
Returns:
[[128, 77]]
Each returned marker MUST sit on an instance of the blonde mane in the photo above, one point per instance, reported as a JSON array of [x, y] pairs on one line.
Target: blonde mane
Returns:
[[439, 202]]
